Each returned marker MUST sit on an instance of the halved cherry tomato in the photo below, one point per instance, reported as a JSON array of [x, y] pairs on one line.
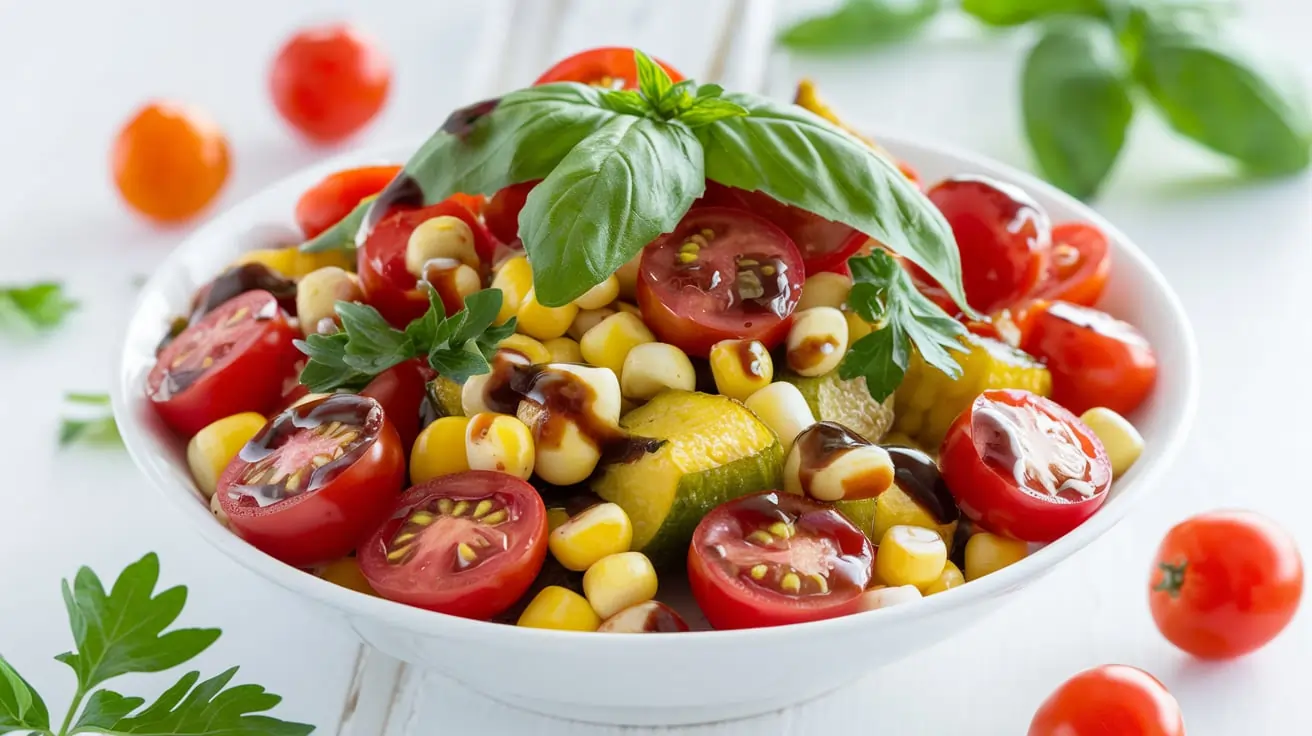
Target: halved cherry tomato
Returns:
[[468, 544], [1080, 265], [472, 202], [401, 391], [233, 360], [825, 245], [1095, 359], [1111, 700], [316, 480], [169, 161], [1003, 235], [329, 81], [775, 558], [612, 67], [327, 202], [388, 286], [502, 211], [722, 274], [1023, 466], [1225, 583]]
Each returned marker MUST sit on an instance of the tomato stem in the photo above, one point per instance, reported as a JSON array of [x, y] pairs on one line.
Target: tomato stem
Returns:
[[1172, 578]]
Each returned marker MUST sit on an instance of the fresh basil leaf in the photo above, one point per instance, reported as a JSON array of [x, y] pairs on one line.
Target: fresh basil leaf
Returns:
[[707, 110], [677, 99], [458, 364], [1224, 96], [627, 102], [653, 80], [104, 709], [1019, 12], [122, 631], [710, 90], [97, 431], [209, 708], [1077, 106], [74, 397], [614, 193], [801, 159], [33, 308], [859, 23], [21, 707]]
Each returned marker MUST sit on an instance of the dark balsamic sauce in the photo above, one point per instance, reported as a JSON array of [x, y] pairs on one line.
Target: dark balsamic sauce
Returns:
[[917, 475]]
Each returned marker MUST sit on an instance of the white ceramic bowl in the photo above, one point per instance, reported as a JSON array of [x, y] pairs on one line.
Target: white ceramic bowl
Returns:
[[685, 678]]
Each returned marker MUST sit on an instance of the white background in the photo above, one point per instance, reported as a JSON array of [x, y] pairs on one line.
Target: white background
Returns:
[[70, 73]]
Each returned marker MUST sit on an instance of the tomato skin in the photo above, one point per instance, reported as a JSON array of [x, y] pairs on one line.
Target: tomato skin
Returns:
[[825, 245], [1111, 700], [1095, 359], [248, 378], [401, 390], [327, 202], [1225, 583], [1080, 265], [593, 66], [502, 211], [329, 81], [169, 161], [996, 499]]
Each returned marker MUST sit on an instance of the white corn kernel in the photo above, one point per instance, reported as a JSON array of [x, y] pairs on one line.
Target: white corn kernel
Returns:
[[586, 320], [783, 409], [605, 388], [816, 341], [653, 367], [627, 276], [499, 442], [563, 350], [216, 508], [609, 343], [440, 237], [850, 471], [318, 293], [877, 598], [825, 289], [1119, 438], [618, 581], [473, 395], [600, 295], [564, 454], [535, 351]]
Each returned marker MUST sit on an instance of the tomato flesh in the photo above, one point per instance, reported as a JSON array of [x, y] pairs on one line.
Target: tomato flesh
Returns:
[[825, 245], [611, 67], [316, 480], [502, 212], [329, 81], [721, 274], [468, 544], [1080, 265], [1111, 700], [775, 558], [1023, 466], [327, 202], [232, 360], [1095, 359]]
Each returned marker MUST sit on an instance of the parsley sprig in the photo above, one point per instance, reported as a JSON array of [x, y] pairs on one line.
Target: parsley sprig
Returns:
[[122, 631]]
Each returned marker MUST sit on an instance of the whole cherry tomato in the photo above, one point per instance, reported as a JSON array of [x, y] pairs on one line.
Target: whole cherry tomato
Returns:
[[1095, 359], [1111, 700], [401, 390], [169, 161], [327, 202], [1080, 265], [1225, 583], [612, 67], [329, 81]]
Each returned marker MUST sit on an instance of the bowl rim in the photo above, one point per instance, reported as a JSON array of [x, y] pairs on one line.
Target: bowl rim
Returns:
[[429, 623]]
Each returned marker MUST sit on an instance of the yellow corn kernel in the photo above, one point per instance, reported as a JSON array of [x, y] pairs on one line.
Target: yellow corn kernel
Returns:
[[599, 531], [600, 295], [896, 507], [652, 367], [515, 280], [883, 596], [440, 237], [559, 608], [564, 350], [816, 341], [987, 553], [857, 327], [740, 367], [216, 508], [439, 450], [851, 473], [317, 295], [618, 581], [608, 344], [951, 577], [214, 447], [628, 277], [783, 409], [346, 573], [825, 289], [292, 263], [910, 555], [311, 262], [499, 442], [1119, 438], [535, 351], [628, 308], [586, 320], [542, 322]]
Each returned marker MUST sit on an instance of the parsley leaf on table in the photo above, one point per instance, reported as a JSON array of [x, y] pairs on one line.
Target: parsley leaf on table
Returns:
[[34, 308], [97, 429]]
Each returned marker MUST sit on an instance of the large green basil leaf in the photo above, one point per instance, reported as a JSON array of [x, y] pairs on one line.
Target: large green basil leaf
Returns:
[[859, 23], [1018, 12]]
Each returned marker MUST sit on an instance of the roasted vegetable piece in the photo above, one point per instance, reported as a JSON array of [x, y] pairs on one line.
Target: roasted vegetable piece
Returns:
[[848, 403]]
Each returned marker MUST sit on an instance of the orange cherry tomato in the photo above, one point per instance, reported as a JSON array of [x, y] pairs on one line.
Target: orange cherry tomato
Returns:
[[1111, 700], [1079, 267], [612, 67], [169, 161], [329, 81], [327, 202]]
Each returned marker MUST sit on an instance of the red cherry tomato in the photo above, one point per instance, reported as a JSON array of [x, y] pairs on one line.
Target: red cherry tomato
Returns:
[[502, 212], [1111, 700], [1003, 235], [1095, 359], [825, 245], [472, 202], [233, 360], [387, 285], [1023, 466], [468, 544], [316, 480], [1225, 583], [401, 390], [743, 280], [1080, 265], [612, 67], [329, 81], [740, 580], [327, 202], [169, 161], [911, 174]]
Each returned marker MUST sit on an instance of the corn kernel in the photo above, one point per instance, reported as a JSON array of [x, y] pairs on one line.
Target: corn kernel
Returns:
[[740, 367], [783, 409], [559, 608], [292, 263], [627, 276], [587, 319], [600, 295], [515, 279], [439, 450], [599, 531], [895, 507], [501, 443], [608, 344], [825, 289], [857, 327], [211, 450], [816, 341], [555, 517], [910, 555], [565, 455], [473, 394], [216, 508], [542, 322], [440, 237], [628, 308], [535, 351], [1119, 438], [563, 350], [346, 573], [317, 295], [618, 581], [654, 367], [885, 596], [951, 577], [850, 472], [987, 553]]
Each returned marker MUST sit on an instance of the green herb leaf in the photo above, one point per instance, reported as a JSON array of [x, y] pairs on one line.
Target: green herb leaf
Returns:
[[93, 429], [859, 23], [326, 370], [194, 708], [1076, 100], [710, 90], [34, 308], [628, 102], [614, 193], [21, 707], [1224, 96], [1019, 12], [653, 80], [803, 160], [678, 98], [706, 110], [104, 709], [122, 631], [75, 397], [465, 346], [373, 345]]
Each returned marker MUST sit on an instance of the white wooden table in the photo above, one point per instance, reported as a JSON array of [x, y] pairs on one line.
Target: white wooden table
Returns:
[[1237, 251]]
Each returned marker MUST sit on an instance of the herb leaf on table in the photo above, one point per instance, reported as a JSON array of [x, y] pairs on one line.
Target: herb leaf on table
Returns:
[[96, 426], [34, 308], [1019, 12]]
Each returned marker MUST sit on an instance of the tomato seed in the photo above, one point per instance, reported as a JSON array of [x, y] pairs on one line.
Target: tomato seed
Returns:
[[422, 518], [760, 537], [444, 505], [759, 572], [496, 517], [820, 582], [466, 554], [482, 508], [460, 508], [790, 583], [781, 529]]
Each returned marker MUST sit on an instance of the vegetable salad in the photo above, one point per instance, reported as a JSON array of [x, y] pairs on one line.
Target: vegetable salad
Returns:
[[600, 334]]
